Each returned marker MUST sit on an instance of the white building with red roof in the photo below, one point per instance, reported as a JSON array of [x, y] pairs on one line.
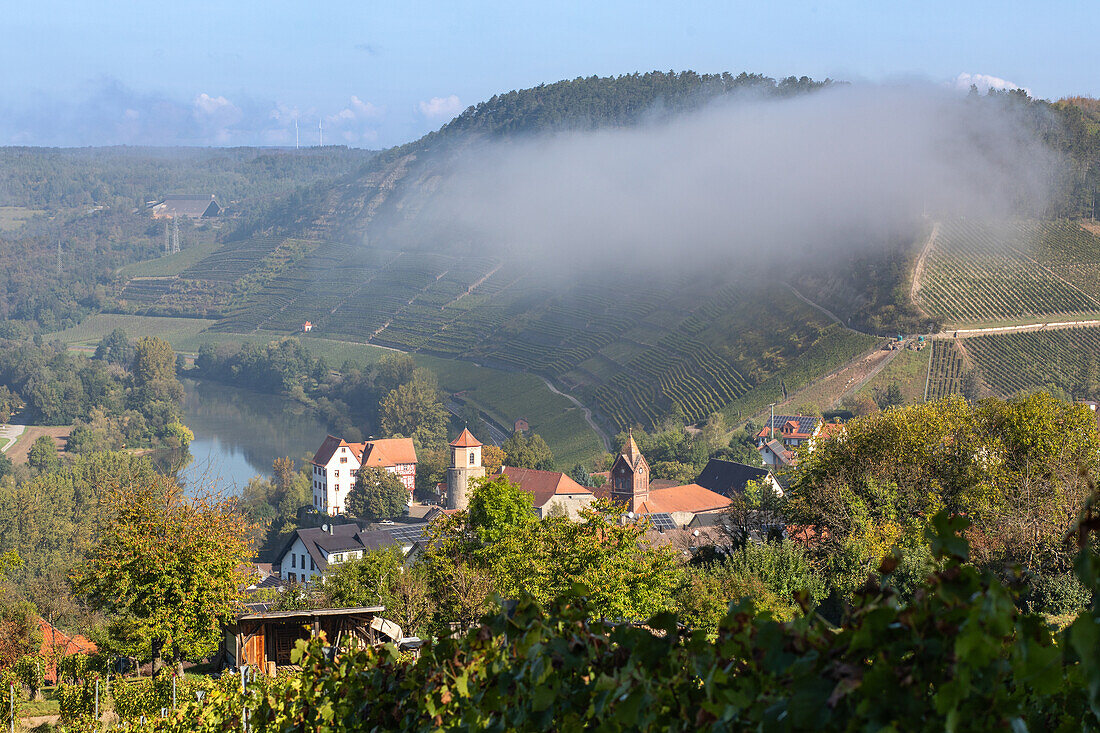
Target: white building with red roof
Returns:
[[337, 462]]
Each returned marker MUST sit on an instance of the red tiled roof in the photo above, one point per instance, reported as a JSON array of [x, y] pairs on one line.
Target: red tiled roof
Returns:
[[831, 429], [389, 452], [328, 447], [687, 498], [543, 485], [57, 643], [465, 439]]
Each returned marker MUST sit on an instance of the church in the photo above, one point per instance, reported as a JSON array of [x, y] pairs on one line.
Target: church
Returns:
[[555, 493]]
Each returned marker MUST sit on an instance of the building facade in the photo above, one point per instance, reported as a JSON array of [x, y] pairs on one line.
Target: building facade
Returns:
[[337, 462]]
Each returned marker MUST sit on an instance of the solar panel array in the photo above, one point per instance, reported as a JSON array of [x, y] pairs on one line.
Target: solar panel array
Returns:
[[408, 534], [662, 522]]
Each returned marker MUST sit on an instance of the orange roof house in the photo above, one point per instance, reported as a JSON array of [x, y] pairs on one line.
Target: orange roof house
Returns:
[[57, 644], [548, 488], [337, 462]]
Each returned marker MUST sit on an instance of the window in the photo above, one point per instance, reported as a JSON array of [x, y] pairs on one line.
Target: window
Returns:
[[292, 577], [343, 459], [471, 458], [293, 560], [312, 565], [336, 473]]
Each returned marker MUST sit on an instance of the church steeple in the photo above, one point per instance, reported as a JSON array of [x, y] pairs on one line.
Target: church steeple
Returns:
[[630, 475]]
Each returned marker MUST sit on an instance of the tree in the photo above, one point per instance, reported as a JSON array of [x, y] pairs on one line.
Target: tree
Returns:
[[499, 507], [414, 410], [153, 360], [579, 474], [521, 451], [115, 348], [381, 578], [377, 494], [42, 457], [168, 571], [393, 370], [890, 397], [492, 457]]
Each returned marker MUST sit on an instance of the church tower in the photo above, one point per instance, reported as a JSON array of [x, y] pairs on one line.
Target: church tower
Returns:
[[465, 465], [630, 476]]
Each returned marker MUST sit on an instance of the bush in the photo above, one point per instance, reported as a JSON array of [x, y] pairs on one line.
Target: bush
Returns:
[[77, 702], [73, 667], [29, 671], [1057, 594], [8, 679]]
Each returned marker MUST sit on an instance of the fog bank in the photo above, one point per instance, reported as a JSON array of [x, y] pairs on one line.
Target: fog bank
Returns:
[[746, 179]]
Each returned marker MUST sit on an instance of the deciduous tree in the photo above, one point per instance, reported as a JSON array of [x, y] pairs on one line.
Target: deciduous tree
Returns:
[[377, 494]]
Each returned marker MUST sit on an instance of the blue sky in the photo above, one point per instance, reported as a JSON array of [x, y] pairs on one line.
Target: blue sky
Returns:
[[379, 74]]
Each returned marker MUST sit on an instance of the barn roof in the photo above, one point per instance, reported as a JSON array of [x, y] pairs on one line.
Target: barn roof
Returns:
[[543, 485], [728, 477]]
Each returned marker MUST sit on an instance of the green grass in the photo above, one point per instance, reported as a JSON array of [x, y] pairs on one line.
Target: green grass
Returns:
[[504, 395], [92, 329], [14, 217], [172, 264], [909, 370], [38, 708]]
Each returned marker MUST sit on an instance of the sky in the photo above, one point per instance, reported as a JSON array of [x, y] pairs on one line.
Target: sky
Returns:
[[376, 74]]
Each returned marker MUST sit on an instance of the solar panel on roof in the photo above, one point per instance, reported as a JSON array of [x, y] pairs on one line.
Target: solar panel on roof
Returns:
[[662, 522], [407, 534]]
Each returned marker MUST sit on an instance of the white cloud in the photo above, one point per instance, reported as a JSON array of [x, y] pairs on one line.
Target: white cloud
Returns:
[[985, 82], [441, 107], [213, 105], [356, 110]]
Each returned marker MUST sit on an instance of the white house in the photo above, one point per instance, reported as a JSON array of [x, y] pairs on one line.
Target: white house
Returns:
[[337, 463], [309, 552]]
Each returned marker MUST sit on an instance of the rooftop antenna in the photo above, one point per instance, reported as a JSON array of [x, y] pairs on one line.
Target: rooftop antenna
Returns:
[[295, 133], [771, 424]]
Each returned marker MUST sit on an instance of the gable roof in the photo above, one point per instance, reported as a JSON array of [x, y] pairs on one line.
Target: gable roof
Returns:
[[188, 205], [328, 448], [382, 452], [340, 538], [543, 485], [691, 498], [57, 643], [785, 456], [728, 477], [801, 425], [465, 439]]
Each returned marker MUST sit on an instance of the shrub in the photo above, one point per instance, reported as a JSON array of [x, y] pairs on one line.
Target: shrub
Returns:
[[29, 671], [77, 702]]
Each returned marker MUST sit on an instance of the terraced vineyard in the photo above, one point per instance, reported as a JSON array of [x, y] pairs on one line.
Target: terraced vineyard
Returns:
[[1005, 271], [1013, 362], [945, 372]]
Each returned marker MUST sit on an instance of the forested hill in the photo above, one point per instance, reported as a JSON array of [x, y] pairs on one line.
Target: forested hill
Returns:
[[592, 102]]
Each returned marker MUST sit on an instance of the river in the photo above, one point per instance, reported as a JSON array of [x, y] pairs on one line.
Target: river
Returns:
[[238, 433]]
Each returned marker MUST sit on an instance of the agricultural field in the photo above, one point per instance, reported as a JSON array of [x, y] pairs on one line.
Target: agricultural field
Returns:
[[1063, 361], [12, 218], [946, 370], [1010, 271], [92, 329], [908, 370], [505, 396], [172, 264], [634, 351]]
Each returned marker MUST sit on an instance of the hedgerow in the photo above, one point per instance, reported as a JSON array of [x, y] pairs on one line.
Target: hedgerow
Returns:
[[959, 655]]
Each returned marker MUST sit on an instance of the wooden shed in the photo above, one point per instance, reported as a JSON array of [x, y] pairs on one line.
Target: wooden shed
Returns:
[[264, 639]]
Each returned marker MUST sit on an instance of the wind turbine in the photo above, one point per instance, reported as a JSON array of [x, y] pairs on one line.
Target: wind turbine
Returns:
[[295, 133], [321, 133]]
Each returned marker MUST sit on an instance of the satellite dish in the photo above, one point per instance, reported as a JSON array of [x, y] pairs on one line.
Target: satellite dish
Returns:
[[324, 528]]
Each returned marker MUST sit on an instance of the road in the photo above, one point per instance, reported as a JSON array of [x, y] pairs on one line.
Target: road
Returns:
[[587, 414], [496, 435]]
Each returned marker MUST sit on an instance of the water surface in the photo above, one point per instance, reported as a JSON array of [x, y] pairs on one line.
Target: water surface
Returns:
[[238, 433]]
